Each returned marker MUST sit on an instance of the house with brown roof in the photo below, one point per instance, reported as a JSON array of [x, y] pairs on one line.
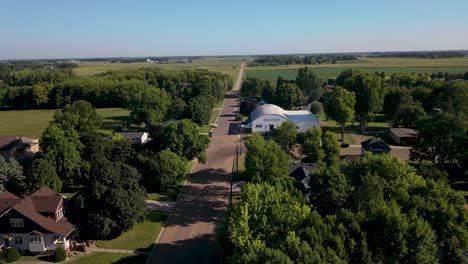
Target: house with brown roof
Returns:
[[36, 223], [403, 136], [18, 147]]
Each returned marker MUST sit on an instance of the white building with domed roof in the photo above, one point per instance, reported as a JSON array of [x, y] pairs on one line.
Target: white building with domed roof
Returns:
[[267, 117]]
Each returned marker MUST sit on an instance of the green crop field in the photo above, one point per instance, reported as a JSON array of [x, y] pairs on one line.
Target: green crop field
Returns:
[[227, 66], [34, 122], [387, 65]]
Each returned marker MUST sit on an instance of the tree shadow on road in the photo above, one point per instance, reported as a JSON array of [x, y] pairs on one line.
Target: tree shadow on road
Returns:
[[203, 199], [199, 249]]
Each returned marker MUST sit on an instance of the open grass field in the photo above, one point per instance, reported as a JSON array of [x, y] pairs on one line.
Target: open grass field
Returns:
[[387, 65], [141, 237], [227, 66], [33, 122]]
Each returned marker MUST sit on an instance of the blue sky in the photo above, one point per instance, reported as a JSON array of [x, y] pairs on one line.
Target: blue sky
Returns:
[[105, 28]]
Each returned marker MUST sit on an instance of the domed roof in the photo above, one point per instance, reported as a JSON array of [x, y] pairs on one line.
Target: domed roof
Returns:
[[267, 109]]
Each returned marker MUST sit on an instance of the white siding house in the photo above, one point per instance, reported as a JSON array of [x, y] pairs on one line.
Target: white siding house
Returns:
[[267, 117]]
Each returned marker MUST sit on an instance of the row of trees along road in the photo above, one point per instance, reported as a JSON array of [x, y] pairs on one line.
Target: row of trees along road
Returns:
[[372, 210], [110, 175]]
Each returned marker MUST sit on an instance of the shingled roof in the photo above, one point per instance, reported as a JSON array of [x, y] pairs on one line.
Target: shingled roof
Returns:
[[7, 200], [43, 201]]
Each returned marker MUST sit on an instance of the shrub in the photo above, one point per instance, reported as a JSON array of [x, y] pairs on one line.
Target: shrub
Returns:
[[60, 255], [12, 255]]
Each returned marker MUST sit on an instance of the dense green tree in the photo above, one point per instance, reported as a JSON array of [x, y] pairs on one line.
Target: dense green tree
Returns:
[[411, 114], [436, 138], [62, 149], [265, 160], [150, 107], [369, 92], [316, 108], [162, 170], [43, 173], [11, 175], [331, 149], [395, 102], [312, 147], [183, 138], [329, 190], [339, 106], [253, 87], [456, 100], [269, 94], [288, 96], [79, 116], [309, 83], [285, 135], [112, 204], [40, 93], [199, 109]]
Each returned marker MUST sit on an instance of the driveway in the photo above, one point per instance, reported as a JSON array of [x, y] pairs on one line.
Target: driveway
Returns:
[[189, 233]]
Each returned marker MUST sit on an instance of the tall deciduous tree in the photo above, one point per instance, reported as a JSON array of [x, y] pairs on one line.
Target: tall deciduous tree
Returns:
[[43, 174], [162, 170], [312, 147], [285, 135], [150, 107], [62, 148], [395, 102], [331, 149], [369, 91], [183, 138], [339, 106], [113, 203], [79, 116], [309, 83], [288, 95], [436, 138], [199, 109], [265, 160]]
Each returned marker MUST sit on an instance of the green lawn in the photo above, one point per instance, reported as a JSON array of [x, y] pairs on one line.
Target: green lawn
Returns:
[[141, 237], [108, 258], [387, 65], [33, 122]]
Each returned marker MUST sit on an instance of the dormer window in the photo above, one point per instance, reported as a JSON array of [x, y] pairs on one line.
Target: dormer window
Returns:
[[16, 222], [59, 213]]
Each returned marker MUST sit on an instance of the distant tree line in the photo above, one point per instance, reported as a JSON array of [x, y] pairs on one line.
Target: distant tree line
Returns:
[[170, 93], [305, 60], [418, 54]]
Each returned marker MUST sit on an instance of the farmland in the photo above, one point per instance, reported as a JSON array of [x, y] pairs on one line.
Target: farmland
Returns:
[[227, 66], [387, 65], [34, 122]]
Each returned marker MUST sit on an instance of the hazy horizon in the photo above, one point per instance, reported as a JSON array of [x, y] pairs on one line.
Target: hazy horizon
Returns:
[[53, 29]]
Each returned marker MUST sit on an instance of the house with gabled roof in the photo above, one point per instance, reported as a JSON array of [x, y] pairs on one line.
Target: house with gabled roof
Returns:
[[36, 223]]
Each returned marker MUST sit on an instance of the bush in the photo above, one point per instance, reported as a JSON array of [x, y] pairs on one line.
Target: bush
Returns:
[[12, 255], [60, 255], [316, 108]]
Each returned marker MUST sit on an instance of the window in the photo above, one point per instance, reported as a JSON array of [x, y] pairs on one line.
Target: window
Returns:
[[60, 213], [36, 239], [16, 222], [258, 126], [18, 240]]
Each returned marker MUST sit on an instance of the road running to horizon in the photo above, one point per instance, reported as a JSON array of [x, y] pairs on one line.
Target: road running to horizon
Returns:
[[190, 231]]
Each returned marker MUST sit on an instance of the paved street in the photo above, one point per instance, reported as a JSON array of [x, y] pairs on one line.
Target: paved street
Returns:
[[189, 234]]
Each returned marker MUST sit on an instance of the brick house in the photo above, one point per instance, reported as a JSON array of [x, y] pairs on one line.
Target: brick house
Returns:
[[35, 223]]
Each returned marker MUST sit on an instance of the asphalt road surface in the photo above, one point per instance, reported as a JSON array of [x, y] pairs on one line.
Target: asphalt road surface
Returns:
[[189, 233]]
